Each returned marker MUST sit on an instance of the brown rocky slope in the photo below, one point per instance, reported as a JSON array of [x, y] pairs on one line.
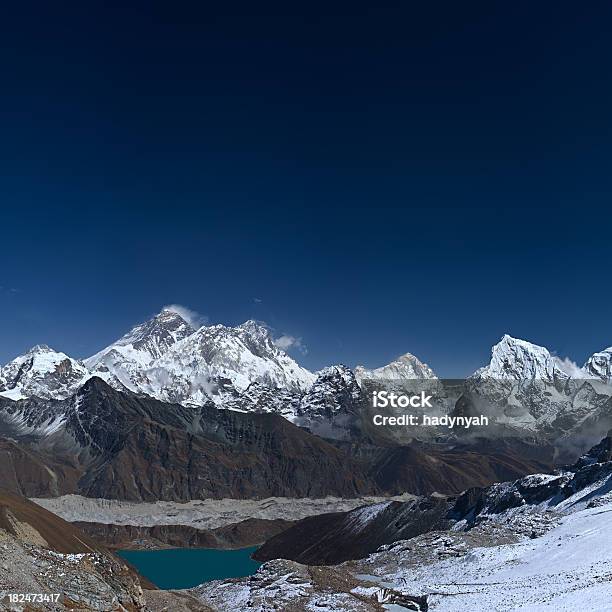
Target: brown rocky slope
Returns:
[[122, 446], [41, 553]]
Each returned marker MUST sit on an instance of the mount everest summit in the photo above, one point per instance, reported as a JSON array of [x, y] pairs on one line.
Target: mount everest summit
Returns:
[[169, 360]]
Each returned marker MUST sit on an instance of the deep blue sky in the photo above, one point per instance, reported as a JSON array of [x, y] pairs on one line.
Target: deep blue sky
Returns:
[[417, 177]]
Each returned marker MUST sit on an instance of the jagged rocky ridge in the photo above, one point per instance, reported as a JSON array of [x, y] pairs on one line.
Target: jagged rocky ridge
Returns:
[[101, 438]]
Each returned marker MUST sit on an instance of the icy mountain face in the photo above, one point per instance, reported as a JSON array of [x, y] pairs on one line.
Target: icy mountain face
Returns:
[[218, 361], [149, 340], [42, 372], [513, 359], [261, 399], [330, 407], [526, 389], [243, 354], [406, 367], [32, 416], [333, 392], [599, 365], [169, 360], [121, 364]]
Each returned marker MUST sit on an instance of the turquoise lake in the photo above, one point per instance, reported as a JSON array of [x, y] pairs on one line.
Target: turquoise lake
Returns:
[[183, 568]]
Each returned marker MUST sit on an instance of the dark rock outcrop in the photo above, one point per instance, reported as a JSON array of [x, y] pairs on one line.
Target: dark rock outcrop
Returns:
[[332, 538], [250, 532]]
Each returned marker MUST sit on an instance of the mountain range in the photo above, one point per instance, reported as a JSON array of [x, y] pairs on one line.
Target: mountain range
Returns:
[[524, 388]]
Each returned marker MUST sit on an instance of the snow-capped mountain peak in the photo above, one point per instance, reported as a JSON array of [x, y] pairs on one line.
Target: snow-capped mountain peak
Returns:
[[243, 368], [405, 367], [243, 355], [42, 372], [167, 358], [515, 359], [255, 328], [600, 365], [147, 341], [40, 349]]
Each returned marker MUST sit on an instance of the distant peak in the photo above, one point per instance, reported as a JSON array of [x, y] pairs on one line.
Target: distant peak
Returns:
[[512, 342], [257, 328], [253, 324], [40, 348], [404, 367], [508, 339], [408, 357], [173, 312], [167, 313], [512, 358]]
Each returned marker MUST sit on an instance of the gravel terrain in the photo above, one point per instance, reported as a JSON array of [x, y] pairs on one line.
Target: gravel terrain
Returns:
[[203, 514]]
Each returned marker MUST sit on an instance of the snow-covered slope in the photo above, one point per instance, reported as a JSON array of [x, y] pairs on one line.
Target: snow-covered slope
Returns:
[[560, 560], [169, 360], [243, 355], [567, 568], [526, 388], [330, 406], [599, 365], [406, 367], [514, 359], [123, 362], [42, 372]]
